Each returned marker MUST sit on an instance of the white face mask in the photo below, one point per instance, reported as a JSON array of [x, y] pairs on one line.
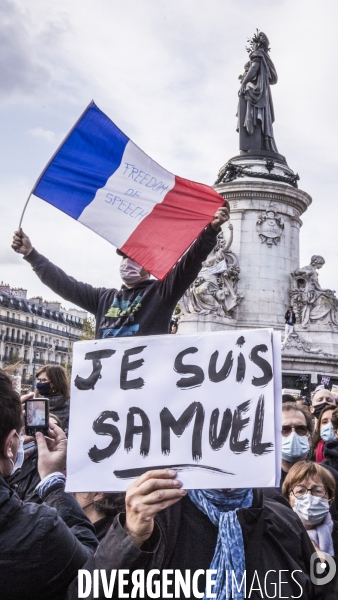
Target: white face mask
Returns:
[[130, 272], [327, 433], [311, 508], [295, 447], [17, 464]]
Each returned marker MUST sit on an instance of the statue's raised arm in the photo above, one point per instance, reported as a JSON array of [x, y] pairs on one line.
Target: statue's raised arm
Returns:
[[255, 108]]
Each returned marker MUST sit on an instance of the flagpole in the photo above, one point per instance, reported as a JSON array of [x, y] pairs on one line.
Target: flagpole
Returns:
[[52, 158], [24, 209]]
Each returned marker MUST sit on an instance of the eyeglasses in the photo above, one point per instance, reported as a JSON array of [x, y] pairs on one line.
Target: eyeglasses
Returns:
[[317, 490], [299, 429]]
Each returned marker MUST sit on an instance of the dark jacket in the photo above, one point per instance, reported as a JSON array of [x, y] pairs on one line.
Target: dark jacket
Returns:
[[143, 310], [287, 316], [102, 526], [59, 407], [185, 538], [331, 454], [41, 546], [334, 505]]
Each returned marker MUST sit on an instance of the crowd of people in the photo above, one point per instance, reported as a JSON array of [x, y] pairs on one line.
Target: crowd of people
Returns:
[[49, 536], [159, 540]]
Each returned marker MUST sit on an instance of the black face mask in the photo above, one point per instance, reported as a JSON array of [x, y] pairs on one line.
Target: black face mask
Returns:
[[44, 389], [318, 409]]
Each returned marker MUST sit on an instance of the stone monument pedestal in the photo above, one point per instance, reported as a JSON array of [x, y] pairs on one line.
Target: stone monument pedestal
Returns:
[[252, 276], [266, 219]]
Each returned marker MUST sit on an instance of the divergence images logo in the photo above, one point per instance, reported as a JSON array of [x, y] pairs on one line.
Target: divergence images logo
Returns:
[[318, 568]]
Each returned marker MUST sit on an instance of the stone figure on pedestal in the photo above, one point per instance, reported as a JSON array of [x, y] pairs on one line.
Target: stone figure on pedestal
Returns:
[[311, 301], [214, 290], [255, 107]]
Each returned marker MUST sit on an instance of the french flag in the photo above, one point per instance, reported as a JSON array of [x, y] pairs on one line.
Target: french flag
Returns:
[[102, 179]]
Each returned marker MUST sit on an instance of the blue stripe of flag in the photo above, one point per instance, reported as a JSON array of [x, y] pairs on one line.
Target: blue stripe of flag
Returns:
[[90, 155]]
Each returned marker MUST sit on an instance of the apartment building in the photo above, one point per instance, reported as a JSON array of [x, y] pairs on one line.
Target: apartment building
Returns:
[[37, 331]]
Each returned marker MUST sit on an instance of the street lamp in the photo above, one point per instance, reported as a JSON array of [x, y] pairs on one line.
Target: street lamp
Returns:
[[35, 357]]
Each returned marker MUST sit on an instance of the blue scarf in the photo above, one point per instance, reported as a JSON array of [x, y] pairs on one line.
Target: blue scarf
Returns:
[[220, 506]]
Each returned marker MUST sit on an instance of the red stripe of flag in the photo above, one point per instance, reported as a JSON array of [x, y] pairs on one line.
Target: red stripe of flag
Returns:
[[168, 231]]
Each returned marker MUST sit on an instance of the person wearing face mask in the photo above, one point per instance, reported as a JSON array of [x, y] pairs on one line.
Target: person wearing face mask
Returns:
[[230, 531], [297, 428], [142, 306], [323, 433], [310, 489], [25, 478], [42, 546], [296, 436], [52, 383], [320, 400], [331, 446]]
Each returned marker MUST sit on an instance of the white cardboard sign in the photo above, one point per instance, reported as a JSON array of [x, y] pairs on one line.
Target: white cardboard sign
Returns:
[[206, 404]]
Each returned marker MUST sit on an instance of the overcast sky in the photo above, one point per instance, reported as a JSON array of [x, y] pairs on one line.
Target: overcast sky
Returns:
[[166, 72]]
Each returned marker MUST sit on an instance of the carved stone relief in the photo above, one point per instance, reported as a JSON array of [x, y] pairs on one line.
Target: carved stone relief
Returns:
[[294, 345], [214, 291], [270, 227], [294, 342], [311, 302]]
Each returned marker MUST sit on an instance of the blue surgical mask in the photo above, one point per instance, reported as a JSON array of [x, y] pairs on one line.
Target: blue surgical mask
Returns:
[[327, 433], [295, 447], [17, 464], [311, 508]]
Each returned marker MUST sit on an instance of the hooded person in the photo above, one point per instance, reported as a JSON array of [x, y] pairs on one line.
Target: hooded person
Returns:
[[142, 306]]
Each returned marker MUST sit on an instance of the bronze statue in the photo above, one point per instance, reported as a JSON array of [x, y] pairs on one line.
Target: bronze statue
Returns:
[[255, 107]]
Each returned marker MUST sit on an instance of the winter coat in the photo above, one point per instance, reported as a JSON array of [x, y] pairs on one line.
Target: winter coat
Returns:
[[185, 538], [42, 546]]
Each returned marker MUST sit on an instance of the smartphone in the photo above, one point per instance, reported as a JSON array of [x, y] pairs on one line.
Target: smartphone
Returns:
[[37, 416]]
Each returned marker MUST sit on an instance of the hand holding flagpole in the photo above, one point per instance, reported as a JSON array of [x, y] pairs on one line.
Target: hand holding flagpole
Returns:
[[21, 243]]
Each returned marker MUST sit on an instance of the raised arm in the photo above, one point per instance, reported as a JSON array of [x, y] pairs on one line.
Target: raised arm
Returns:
[[181, 276], [81, 294]]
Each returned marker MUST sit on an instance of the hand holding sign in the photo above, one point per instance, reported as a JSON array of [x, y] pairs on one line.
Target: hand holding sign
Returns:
[[149, 494], [202, 404]]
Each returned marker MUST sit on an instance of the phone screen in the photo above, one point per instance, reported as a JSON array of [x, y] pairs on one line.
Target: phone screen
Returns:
[[37, 415]]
